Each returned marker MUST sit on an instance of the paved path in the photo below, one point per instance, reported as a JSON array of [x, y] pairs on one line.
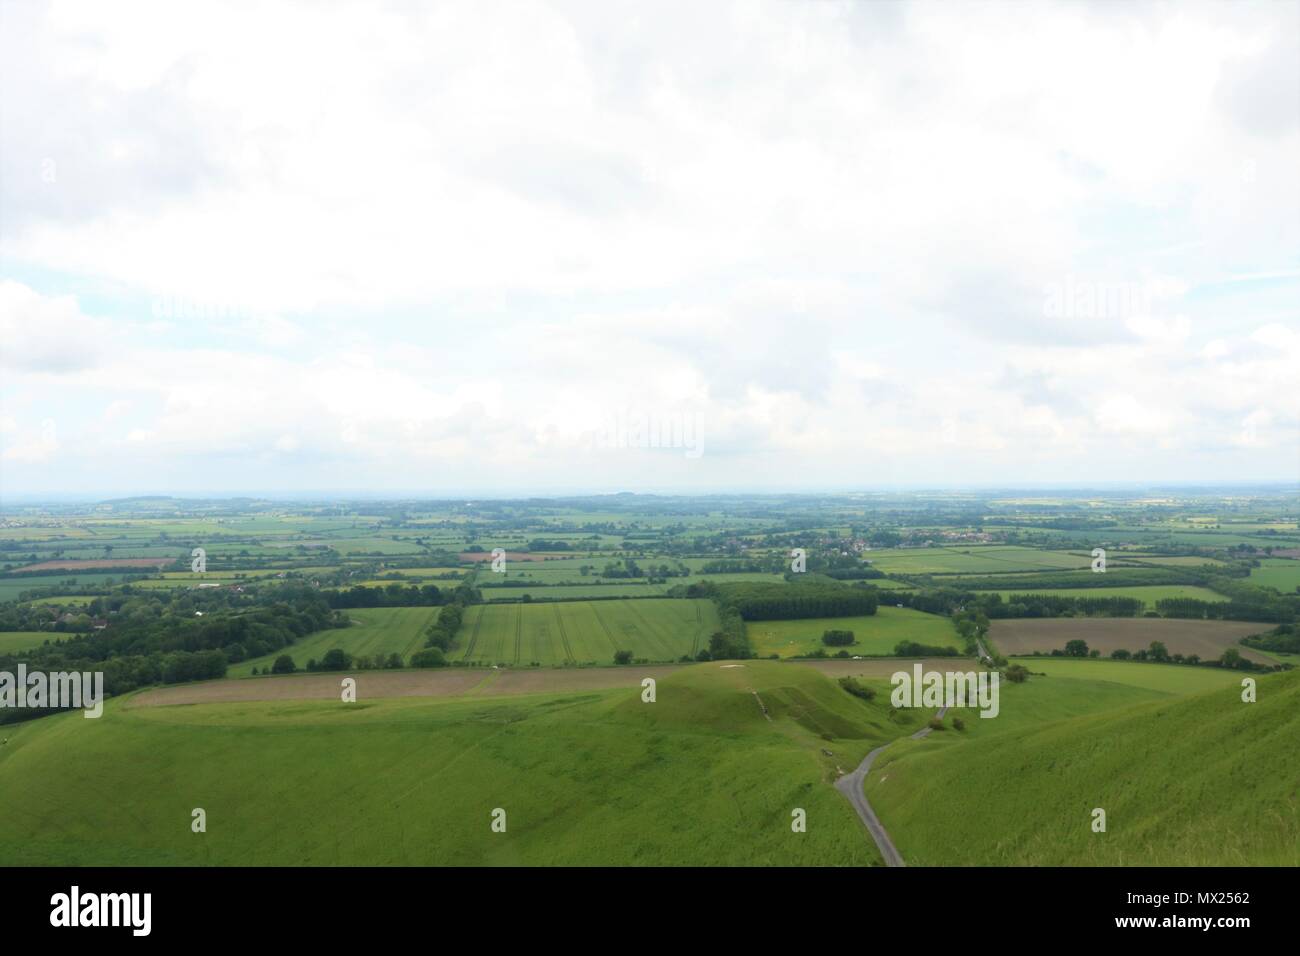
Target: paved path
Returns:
[[852, 784]]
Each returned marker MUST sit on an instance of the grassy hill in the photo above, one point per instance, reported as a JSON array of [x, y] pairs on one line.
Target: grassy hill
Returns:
[[1203, 779], [701, 776]]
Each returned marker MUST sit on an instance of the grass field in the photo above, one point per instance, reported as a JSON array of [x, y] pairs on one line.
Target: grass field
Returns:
[[1201, 779], [585, 631], [1280, 573], [700, 777], [975, 559], [1208, 639], [13, 641], [1166, 678], [1148, 594], [875, 633], [384, 630]]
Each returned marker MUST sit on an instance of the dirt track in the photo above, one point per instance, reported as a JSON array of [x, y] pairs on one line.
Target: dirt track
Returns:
[[447, 682]]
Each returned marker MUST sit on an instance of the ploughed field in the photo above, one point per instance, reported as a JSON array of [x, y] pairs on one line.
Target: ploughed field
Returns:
[[1208, 639]]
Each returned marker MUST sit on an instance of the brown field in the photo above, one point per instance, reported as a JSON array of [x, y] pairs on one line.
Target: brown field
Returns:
[[1209, 639], [89, 564], [448, 682]]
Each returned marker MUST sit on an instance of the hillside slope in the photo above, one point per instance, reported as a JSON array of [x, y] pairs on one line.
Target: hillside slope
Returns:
[[1198, 780], [701, 777]]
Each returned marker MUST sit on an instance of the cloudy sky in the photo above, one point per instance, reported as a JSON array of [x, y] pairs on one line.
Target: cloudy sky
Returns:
[[510, 247]]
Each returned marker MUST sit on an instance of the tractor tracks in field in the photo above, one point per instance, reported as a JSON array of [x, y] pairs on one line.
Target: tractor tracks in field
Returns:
[[604, 627], [473, 637], [852, 785], [564, 637], [519, 631]]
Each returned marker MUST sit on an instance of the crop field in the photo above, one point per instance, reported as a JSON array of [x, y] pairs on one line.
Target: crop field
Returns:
[[387, 630], [568, 592], [1208, 639], [875, 633], [976, 560], [1148, 594], [1166, 678], [585, 631], [1280, 573], [13, 641]]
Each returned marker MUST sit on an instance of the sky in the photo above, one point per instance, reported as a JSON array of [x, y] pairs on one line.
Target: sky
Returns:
[[518, 248]]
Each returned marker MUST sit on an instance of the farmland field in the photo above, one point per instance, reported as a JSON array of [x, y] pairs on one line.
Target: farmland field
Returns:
[[975, 559], [875, 633], [1280, 573], [1168, 678], [1148, 594], [585, 631], [13, 641], [1208, 639], [390, 630]]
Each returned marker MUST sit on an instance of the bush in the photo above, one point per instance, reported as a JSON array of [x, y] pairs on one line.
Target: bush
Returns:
[[336, 659], [283, 665], [936, 723], [622, 657], [1016, 673], [837, 638], [852, 685], [429, 657], [913, 649], [958, 724]]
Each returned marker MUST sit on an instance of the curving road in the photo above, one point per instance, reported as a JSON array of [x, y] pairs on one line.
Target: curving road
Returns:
[[852, 786]]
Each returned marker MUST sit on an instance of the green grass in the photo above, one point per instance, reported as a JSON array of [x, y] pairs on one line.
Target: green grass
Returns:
[[1147, 593], [875, 633], [1280, 573], [1167, 678], [385, 630], [1193, 780], [700, 777], [975, 559], [13, 641], [585, 631]]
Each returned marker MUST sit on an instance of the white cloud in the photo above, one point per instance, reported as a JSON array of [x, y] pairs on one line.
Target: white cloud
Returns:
[[443, 245]]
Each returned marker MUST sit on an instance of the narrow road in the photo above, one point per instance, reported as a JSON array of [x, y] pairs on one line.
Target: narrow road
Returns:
[[852, 786]]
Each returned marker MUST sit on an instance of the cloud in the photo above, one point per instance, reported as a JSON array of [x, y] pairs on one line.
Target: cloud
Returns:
[[448, 244]]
